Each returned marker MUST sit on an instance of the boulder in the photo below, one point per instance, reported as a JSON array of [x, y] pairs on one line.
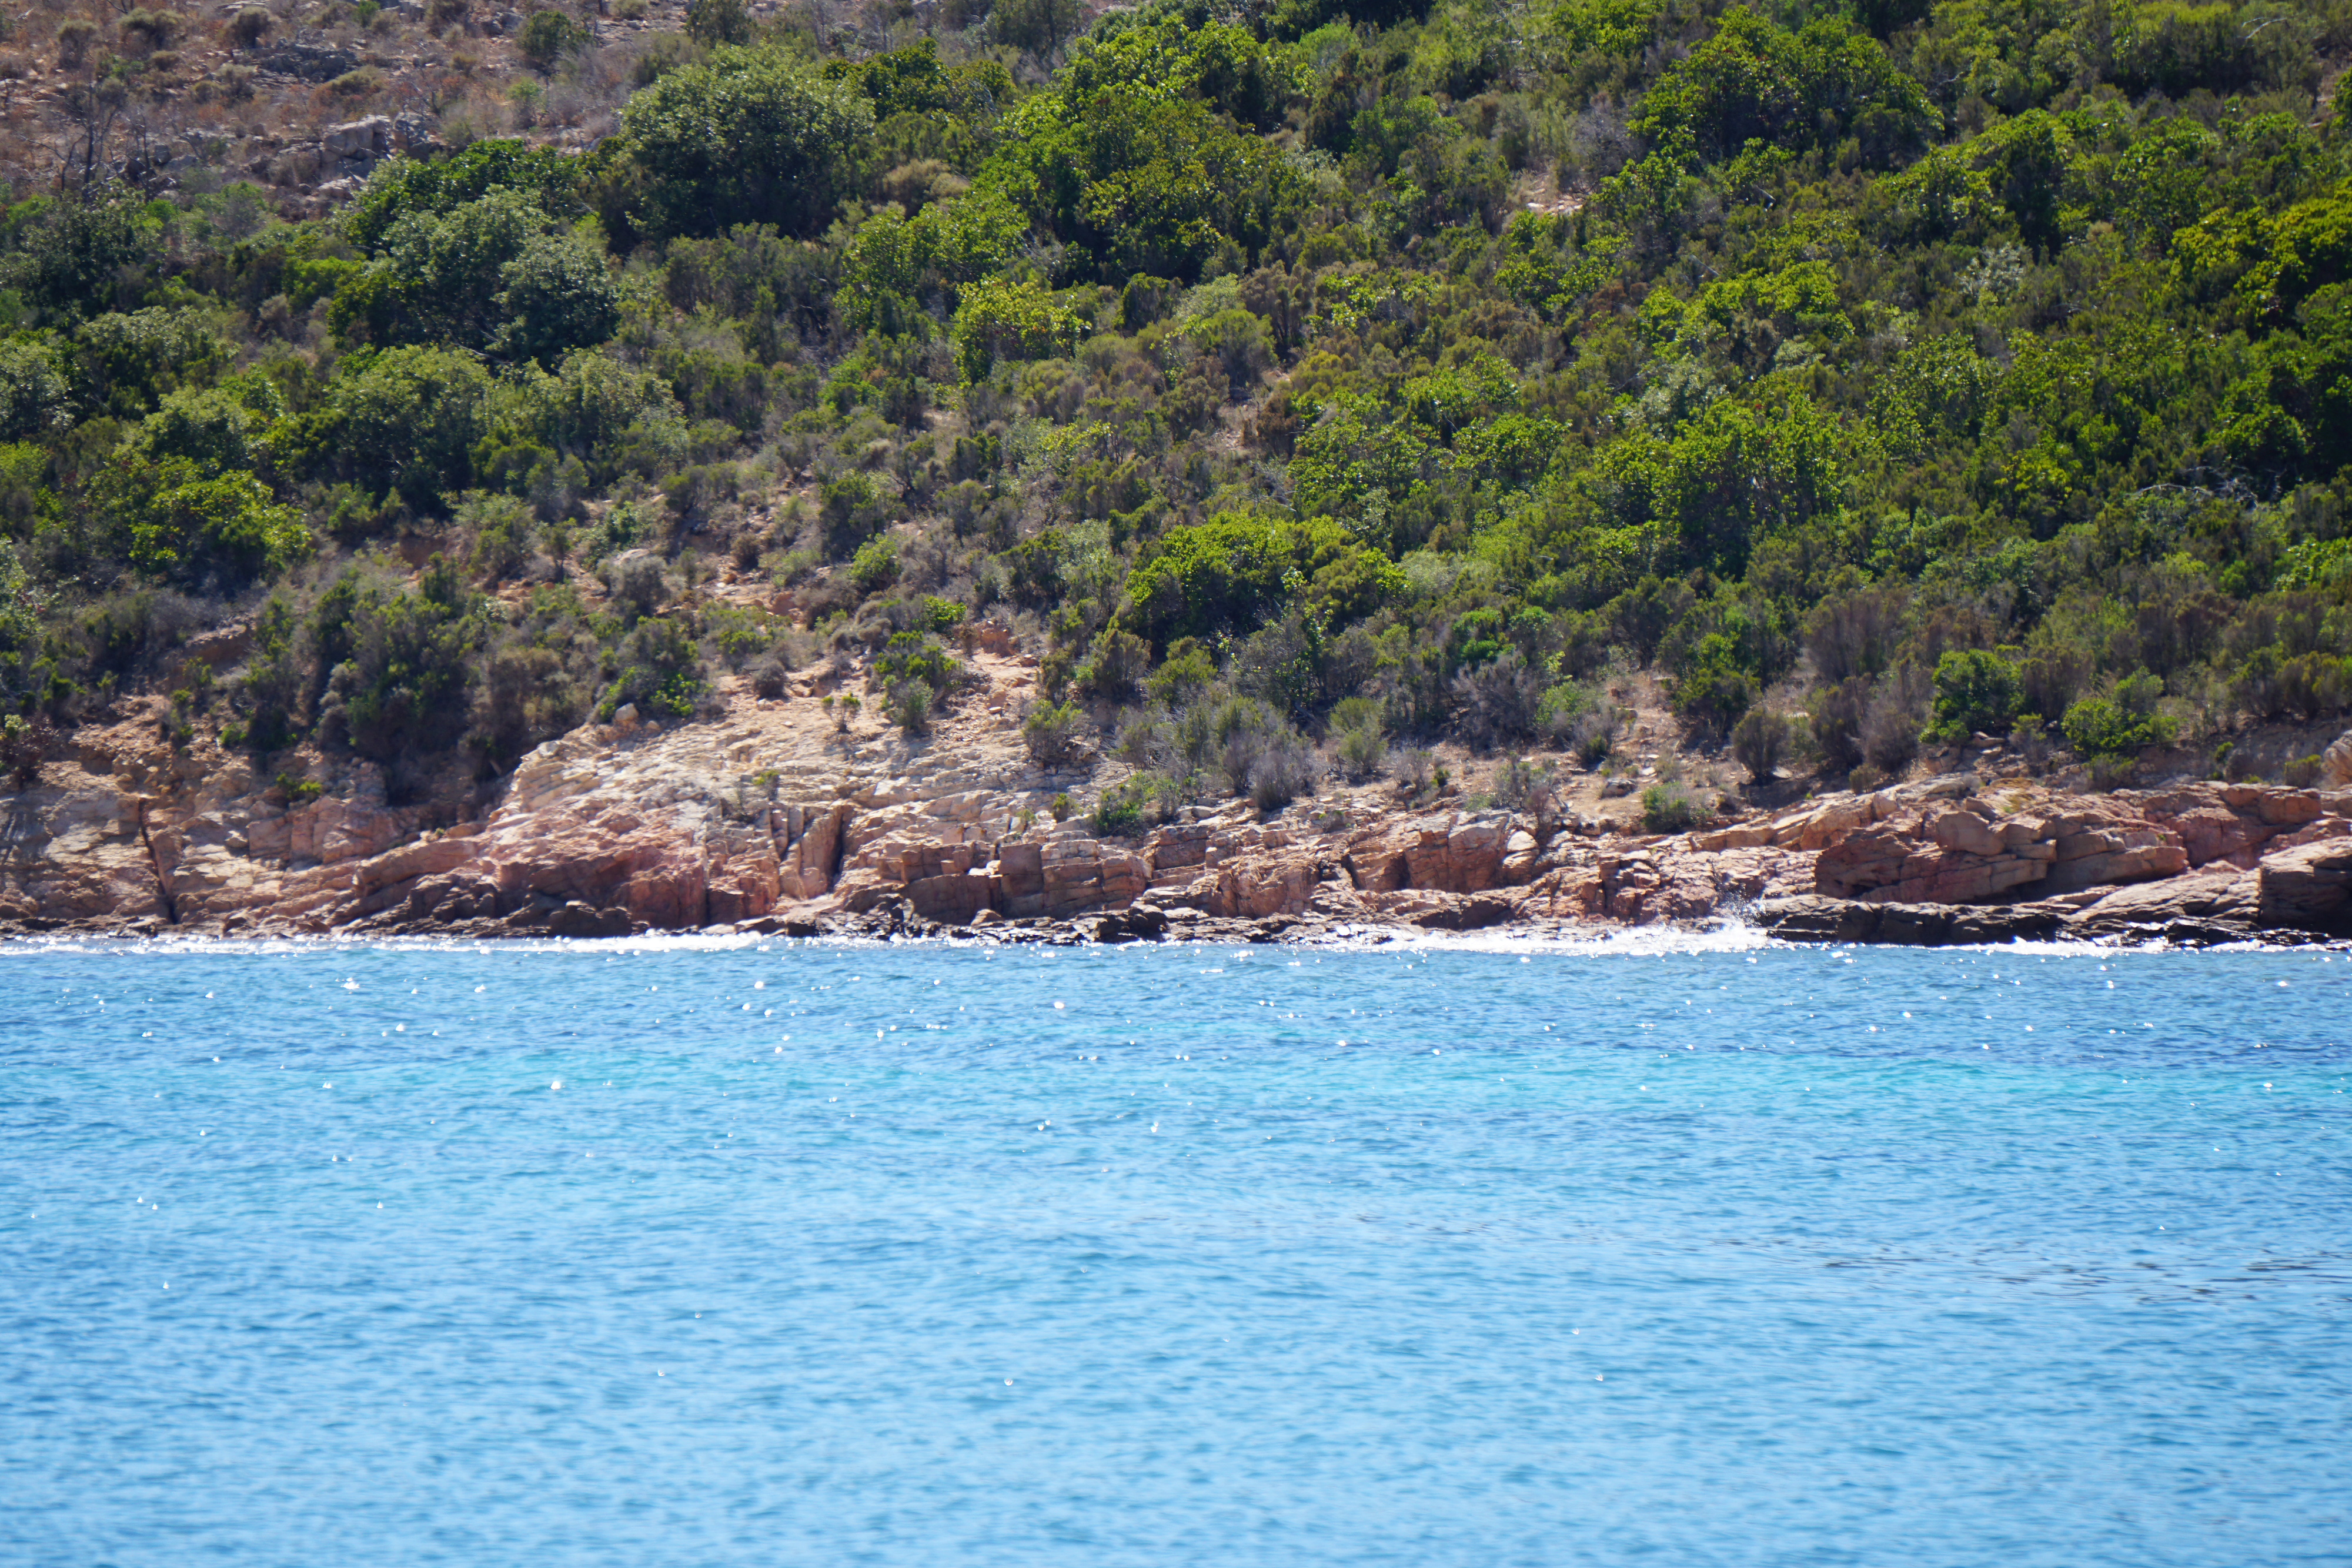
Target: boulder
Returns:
[[577, 919], [2308, 887], [370, 138], [1139, 922], [1833, 920], [2336, 763], [2217, 903]]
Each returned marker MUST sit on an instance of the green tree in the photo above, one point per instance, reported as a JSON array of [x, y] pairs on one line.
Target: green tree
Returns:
[[1755, 82], [709, 22], [399, 661], [1001, 320], [400, 187], [548, 37], [1976, 692], [753, 136], [407, 420], [1231, 572]]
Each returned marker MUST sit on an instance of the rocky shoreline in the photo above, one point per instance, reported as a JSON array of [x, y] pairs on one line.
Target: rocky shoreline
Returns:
[[777, 820]]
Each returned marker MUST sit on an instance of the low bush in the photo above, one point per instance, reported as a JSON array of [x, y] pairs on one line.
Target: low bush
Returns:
[[548, 37], [1670, 805], [916, 656], [1285, 768], [910, 705], [2099, 727], [1522, 785], [400, 661], [1759, 741], [1891, 719], [1976, 693], [1050, 731], [1594, 736], [25, 745], [658, 668], [1363, 754], [1714, 693], [1120, 812], [1497, 703], [874, 566]]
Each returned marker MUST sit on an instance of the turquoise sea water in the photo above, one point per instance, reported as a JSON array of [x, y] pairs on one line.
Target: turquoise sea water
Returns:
[[719, 1254]]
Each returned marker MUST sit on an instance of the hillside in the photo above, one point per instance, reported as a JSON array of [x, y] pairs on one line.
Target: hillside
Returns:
[[1660, 407]]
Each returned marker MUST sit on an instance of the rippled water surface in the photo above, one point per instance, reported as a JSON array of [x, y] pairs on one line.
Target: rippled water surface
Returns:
[[649, 1254]]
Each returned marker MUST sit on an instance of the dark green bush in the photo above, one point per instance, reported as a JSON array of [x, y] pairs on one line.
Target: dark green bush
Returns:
[[548, 36], [399, 662], [1671, 807], [916, 656], [1120, 812], [1759, 741], [1050, 730], [658, 668], [1976, 692]]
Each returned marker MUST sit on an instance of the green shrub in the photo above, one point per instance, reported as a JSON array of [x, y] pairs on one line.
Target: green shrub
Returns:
[[548, 37], [1189, 667], [1522, 785], [249, 26], [1671, 807], [1976, 692], [1050, 731], [2096, 728], [876, 565], [1715, 691], [1119, 815], [1230, 572], [229, 527], [1009, 321], [709, 22], [1363, 750], [916, 656], [407, 419], [25, 743], [940, 616], [753, 136], [1363, 754], [2313, 685], [737, 634], [910, 705], [1759, 741], [503, 537], [276, 681], [1283, 769], [658, 667], [400, 661], [855, 511]]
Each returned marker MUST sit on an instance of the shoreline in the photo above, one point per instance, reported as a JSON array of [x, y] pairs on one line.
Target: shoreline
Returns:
[[1804, 922], [767, 822]]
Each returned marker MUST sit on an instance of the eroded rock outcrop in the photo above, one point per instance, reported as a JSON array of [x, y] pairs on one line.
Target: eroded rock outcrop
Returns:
[[773, 820]]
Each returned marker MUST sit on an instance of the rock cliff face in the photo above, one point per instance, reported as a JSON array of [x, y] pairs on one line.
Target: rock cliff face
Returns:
[[773, 820]]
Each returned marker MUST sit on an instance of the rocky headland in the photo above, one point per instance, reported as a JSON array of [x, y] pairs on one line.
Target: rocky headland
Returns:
[[779, 817]]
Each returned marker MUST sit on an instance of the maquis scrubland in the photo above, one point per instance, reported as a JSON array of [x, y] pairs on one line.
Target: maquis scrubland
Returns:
[[1295, 379]]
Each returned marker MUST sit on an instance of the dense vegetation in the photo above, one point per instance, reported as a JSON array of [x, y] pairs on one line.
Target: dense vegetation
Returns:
[[1299, 374]]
